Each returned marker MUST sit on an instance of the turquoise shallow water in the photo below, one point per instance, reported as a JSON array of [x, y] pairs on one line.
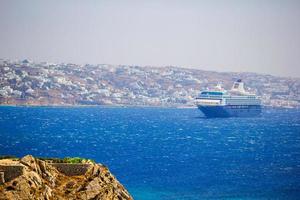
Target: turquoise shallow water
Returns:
[[164, 154]]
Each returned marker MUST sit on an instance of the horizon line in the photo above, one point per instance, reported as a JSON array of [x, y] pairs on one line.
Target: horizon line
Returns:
[[155, 66]]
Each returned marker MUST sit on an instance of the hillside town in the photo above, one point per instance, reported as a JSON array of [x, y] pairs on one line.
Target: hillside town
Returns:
[[30, 83]]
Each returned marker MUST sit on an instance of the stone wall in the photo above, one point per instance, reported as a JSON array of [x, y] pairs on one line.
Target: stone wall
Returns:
[[71, 169], [8, 173]]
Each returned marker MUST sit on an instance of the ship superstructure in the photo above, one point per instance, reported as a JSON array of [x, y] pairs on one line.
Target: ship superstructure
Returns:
[[234, 103]]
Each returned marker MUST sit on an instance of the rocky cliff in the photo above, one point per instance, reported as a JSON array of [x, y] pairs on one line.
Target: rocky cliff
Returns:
[[32, 178]]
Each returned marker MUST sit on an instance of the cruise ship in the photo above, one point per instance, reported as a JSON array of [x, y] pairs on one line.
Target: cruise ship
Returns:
[[236, 102]]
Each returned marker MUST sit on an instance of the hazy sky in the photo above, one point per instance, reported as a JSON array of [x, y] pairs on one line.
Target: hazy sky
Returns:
[[250, 35]]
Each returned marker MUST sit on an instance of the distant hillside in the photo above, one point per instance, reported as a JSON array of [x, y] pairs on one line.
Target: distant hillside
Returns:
[[29, 83]]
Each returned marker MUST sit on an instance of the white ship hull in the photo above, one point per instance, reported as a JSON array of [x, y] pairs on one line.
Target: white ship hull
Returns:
[[230, 110]]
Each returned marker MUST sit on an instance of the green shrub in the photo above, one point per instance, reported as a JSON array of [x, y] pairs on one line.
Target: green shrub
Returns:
[[72, 160], [8, 157], [76, 160]]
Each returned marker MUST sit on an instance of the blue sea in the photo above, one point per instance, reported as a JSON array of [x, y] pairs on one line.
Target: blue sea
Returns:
[[167, 153]]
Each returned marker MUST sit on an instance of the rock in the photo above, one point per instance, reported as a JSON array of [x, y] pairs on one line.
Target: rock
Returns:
[[41, 180]]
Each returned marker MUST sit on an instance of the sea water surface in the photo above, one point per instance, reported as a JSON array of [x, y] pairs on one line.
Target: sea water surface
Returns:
[[166, 153]]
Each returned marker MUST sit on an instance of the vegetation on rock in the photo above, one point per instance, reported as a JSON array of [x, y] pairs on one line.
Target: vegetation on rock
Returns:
[[70, 160]]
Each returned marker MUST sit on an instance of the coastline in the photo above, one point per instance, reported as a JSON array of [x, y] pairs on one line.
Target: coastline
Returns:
[[86, 106], [122, 106]]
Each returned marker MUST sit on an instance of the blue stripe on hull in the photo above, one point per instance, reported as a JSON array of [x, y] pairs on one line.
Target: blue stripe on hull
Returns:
[[231, 111]]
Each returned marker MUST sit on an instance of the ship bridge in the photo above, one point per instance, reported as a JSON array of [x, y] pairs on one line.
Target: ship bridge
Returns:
[[211, 97]]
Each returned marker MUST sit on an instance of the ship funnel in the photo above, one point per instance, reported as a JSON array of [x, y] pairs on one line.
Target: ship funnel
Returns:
[[238, 86]]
